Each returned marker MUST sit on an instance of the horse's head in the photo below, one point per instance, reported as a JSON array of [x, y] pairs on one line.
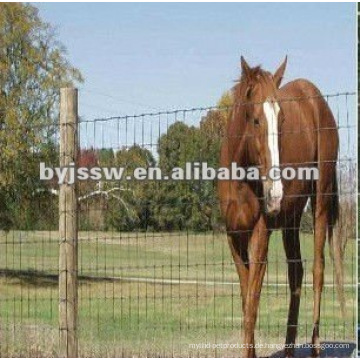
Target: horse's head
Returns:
[[261, 109]]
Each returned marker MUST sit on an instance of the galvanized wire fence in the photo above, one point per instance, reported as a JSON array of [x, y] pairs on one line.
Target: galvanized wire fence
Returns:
[[155, 274]]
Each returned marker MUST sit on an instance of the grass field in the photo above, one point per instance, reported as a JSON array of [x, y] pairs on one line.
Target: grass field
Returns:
[[123, 314]]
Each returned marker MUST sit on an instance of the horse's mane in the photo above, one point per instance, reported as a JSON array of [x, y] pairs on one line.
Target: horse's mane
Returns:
[[249, 79], [253, 74]]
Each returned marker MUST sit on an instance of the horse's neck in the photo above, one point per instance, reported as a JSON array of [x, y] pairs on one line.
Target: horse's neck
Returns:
[[237, 140]]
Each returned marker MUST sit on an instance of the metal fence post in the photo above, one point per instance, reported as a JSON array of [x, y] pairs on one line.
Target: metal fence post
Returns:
[[68, 226]]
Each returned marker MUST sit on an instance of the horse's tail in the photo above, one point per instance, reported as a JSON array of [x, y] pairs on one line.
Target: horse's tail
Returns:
[[336, 244]]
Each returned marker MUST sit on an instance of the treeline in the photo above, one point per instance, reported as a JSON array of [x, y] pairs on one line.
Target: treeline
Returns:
[[158, 205], [128, 205]]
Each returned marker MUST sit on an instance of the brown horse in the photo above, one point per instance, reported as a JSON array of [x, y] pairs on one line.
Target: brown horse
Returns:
[[273, 126]]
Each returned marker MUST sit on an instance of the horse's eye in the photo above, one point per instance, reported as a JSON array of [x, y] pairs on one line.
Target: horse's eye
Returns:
[[256, 122], [248, 93]]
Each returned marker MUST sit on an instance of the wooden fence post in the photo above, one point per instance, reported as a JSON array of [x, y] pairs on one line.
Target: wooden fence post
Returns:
[[68, 226]]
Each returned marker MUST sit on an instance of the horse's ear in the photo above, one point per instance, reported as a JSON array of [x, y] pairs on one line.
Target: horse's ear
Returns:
[[245, 68], [279, 73]]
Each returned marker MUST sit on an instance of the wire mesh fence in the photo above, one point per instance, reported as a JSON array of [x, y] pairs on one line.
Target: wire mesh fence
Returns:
[[155, 273]]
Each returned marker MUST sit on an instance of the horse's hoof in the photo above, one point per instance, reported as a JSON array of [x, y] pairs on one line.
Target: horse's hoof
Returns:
[[289, 350], [315, 353], [250, 355]]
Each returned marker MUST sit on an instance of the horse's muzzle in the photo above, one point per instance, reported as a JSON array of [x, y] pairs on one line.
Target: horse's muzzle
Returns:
[[273, 191], [273, 207]]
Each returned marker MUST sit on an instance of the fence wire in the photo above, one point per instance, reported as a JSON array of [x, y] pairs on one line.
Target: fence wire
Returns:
[[156, 277]]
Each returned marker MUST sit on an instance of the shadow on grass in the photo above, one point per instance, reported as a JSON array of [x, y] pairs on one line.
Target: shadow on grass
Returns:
[[343, 350], [42, 278], [30, 277]]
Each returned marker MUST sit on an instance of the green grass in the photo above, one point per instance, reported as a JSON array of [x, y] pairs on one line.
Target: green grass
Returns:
[[145, 319]]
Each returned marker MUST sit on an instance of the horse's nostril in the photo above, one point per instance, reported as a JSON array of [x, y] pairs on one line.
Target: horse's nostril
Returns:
[[269, 195], [273, 210], [273, 205]]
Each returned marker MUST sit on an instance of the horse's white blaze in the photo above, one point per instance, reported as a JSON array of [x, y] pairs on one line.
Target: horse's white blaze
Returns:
[[271, 110]]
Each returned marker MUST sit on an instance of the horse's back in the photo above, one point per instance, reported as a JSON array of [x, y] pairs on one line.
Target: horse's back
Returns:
[[306, 95], [299, 88], [306, 109]]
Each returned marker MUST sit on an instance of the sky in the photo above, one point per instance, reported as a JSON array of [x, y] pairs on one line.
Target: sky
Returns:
[[143, 57]]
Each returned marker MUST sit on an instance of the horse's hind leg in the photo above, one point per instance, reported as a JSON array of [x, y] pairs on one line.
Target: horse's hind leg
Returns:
[[295, 275], [320, 225]]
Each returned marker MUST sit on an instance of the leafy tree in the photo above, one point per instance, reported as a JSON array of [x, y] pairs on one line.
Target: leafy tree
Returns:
[[214, 123], [184, 204], [106, 157], [5, 220], [129, 207], [134, 157], [213, 129], [33, 66], [190, 204]]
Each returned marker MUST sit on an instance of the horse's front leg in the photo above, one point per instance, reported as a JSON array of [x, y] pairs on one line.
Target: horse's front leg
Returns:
[[258, 249], [295, 274], [238, 243]]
